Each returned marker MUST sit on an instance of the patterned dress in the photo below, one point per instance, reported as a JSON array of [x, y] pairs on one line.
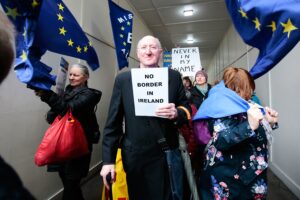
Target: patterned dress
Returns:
[[236, 161]]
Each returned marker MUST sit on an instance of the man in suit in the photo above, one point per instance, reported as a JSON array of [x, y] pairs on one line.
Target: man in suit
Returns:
[[11, 186], [143, 158]]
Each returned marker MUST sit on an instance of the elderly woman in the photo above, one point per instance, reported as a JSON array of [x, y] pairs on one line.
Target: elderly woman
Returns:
[[82, 101], [237, 155]]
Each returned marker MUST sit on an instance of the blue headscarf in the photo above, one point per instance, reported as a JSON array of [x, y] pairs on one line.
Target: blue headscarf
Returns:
[[221, 102]]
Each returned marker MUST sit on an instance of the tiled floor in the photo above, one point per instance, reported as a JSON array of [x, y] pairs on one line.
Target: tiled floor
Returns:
[[277, 190]]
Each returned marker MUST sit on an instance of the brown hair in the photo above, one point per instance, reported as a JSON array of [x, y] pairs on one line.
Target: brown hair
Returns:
[[188, 80], [240, 81]]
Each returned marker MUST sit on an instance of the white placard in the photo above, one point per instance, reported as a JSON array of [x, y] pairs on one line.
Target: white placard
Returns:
[[62, 76], [186, 60], [150, 89]]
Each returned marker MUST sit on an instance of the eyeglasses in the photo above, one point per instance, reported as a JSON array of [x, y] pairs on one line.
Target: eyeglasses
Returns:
[[151, 48]]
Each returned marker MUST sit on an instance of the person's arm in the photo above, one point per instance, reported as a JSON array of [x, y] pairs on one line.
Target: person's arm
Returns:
[[226, 135], [183, 108], [229, 132], [84, 101], [112, 132]]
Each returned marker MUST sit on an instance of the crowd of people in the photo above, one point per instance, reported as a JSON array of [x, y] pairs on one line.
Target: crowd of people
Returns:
[[232, 164]]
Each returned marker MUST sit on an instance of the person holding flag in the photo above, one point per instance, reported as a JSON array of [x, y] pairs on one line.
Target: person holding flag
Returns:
[[237, 154], [81, 100]]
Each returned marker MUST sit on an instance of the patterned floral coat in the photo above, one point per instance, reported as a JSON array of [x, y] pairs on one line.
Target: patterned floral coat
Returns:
[[236, 161]]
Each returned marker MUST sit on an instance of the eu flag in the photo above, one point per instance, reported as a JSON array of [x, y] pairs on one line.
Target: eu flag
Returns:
[[58, 31], [28, 68], [121, 22], [221, 102], [270, 26], [45, 25]]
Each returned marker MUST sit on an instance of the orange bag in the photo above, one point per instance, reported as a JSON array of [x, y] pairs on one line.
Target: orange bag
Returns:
[[64, 139]]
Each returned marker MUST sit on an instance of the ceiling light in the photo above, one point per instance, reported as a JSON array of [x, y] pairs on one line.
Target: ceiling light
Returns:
[[188, 12], [190, 41]]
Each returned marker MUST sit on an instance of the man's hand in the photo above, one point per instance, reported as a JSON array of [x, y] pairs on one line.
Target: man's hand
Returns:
[[106, 171], [167, 110]]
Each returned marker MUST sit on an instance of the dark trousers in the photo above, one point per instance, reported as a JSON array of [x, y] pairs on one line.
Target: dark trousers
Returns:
[[146, 173], [72, 188]]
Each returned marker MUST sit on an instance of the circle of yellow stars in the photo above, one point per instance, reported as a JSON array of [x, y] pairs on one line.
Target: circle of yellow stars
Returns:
[[63, 31], [13, 13], [288, 26]]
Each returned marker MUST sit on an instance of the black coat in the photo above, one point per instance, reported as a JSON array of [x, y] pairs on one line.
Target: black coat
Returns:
[[142, 156], [82, 101], [196, 97], [140, 131]]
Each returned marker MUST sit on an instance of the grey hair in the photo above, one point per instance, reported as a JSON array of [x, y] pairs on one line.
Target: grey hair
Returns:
[[84, 70], [150, 36]]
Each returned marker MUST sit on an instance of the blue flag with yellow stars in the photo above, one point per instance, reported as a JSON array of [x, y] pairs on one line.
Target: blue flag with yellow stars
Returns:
[[35, 22], [121, 22], [58, 31], [270, 26], [28, 68], [221, 102]]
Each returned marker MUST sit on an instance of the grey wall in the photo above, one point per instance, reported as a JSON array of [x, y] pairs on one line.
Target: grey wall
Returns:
[[279, 89], [22, 113]]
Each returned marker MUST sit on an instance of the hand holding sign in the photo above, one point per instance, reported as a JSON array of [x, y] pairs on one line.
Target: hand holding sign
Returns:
[[167, 110], [150, 90]]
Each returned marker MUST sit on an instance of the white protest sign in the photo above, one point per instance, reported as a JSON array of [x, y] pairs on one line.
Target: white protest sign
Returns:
[[150, 89], [186, 60], [62, 76]]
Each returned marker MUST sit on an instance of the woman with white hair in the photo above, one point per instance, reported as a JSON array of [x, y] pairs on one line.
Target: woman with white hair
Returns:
[[82, 101]]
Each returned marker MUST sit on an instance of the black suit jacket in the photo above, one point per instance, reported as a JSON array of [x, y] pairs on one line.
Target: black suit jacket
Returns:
[[142, 132]]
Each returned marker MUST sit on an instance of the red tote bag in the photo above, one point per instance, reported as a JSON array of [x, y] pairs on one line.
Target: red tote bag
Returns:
[[64, 139]]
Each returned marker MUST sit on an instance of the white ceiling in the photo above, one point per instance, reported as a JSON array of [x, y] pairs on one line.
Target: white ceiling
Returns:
[[207, 26]]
